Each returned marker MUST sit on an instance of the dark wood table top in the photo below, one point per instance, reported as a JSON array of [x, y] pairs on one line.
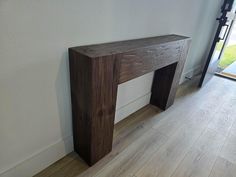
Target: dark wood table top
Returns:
[[99, 50]]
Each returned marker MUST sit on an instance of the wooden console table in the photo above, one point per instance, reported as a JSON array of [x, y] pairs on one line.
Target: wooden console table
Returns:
[[96, 71]]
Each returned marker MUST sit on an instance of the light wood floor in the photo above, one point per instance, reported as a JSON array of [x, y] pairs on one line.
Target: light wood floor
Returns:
[[196, 137]]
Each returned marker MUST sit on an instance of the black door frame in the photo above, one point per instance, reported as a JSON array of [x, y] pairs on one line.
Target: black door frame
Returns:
[[226, 7]]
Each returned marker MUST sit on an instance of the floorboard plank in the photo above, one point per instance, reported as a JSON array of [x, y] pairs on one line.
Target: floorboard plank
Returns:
[[229, 150], [135, 156], [223, 168]]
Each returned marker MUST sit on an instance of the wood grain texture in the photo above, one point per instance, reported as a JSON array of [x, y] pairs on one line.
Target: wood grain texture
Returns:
[[200, 159], [95, 73], [141, 61], [229, 150], [81, 98], [98, 50], [223, 168], [94, 89], [138, 153], [175, 142], [170, 154]]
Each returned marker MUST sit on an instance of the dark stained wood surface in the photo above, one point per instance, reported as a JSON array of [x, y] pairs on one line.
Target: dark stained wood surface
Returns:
[[162, 82], [81, 98], [144, 60], [166, 80], [103, 105], [93, 91], [112, 48], [96, 71]]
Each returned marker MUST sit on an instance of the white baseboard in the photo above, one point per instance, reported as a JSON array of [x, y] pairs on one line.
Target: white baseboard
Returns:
[[40, 160], [190, 73], [132, 107]]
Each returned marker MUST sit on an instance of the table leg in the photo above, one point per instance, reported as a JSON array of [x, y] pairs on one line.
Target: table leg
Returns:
[[94, 91]]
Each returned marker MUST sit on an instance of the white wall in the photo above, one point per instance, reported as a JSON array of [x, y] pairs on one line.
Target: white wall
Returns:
[[35, 110]]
